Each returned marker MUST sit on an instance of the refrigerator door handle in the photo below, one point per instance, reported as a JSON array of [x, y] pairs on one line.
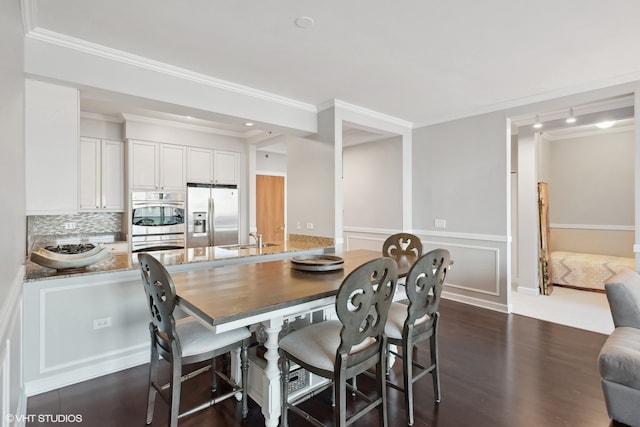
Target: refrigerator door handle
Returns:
[[211, 224]]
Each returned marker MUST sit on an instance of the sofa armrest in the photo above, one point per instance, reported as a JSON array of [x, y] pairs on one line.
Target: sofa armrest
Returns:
[[623, 294]]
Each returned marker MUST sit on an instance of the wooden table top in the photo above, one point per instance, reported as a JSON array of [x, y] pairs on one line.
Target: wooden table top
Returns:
[[229, 293]]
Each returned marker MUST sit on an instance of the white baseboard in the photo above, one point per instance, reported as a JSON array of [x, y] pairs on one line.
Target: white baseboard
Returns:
[[502, 308], [533, 292], [85, 373]]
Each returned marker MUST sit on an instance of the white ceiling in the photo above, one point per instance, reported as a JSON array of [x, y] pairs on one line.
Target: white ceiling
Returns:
[[420, 61]]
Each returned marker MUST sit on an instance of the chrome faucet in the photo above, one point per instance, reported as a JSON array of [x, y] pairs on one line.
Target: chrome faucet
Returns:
[[258, 238]]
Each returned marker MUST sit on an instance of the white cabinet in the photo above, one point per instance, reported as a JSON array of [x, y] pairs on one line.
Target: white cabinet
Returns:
[[199, 165], [101, 175], [52, 115], [172, 167], [157, 166], [225, 167], [212, 166]]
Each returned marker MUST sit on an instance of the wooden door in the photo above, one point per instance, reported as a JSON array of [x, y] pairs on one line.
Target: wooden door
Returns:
[[546, 286], [270, 207]]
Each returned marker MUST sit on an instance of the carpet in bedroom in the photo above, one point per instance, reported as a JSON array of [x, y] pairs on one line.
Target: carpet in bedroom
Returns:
[[579, 309]]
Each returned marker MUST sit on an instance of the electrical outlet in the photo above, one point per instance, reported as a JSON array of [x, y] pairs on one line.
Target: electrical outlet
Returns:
[[103, 322], [309, 226], [440, 223], [69, 225], [299, 226]]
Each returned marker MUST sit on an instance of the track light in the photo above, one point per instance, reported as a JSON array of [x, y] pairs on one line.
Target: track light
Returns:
[[537, 124], [571, 118]]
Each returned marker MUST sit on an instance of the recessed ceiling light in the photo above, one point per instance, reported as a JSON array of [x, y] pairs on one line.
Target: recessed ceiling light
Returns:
[[304, 21], [248, 124], [606, 125]]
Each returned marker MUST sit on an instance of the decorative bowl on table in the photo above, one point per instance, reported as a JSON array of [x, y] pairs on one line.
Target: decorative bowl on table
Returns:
[[67, 257], [317, 263]]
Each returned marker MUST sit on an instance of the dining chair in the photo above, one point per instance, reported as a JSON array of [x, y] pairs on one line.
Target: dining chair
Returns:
[[343, 348], [183, 342], [405, 248], [412, 323]]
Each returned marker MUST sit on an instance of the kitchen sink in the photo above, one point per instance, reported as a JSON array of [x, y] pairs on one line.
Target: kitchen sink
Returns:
[[248, 246]]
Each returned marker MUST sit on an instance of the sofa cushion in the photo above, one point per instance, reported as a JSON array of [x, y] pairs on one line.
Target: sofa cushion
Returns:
[[623, 294], [619, 358]]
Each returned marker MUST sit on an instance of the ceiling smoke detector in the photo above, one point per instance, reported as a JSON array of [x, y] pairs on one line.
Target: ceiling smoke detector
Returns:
[[304, 21]]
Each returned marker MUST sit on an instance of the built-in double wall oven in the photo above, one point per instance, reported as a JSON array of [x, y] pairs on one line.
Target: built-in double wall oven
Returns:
[[157, 221]]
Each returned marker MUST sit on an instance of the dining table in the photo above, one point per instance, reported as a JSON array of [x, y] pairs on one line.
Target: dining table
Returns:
[[264, 293]]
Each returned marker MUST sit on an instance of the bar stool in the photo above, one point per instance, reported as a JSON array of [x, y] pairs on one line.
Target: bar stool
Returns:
[[184, 342], [343, 348], [410, 324]]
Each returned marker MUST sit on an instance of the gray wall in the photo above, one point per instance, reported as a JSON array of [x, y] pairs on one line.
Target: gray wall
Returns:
[[271, 162], [12, 202], [591, 192], [591, 180], [460, 175], [310, 187], [372, 175]]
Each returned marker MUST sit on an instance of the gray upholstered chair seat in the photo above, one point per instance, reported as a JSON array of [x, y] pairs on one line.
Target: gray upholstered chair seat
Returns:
[[395, 321], [317, 344], [195, 338]]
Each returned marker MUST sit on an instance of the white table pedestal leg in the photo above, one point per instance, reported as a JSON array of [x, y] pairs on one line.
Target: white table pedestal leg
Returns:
[[271, 398]]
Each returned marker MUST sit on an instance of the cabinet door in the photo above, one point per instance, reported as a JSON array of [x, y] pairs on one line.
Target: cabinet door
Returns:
[[112, 175], [89, 174], [172, 167], [199, 165], [52, 116], [144, 165], [225, 167]]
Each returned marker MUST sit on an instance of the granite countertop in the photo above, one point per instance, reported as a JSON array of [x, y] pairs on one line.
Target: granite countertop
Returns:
[[129, 261]]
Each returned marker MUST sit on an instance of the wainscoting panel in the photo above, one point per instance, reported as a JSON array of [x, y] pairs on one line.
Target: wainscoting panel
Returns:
[[479, 273], [76, 331], [12, 397]]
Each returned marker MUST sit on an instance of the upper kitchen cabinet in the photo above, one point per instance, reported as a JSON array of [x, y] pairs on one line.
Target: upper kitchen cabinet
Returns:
[[157, 166], [52, 117], [101, 175], [225, 167], [212, 166]]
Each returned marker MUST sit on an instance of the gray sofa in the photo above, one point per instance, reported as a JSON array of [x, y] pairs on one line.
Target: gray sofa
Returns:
[[619, 359]]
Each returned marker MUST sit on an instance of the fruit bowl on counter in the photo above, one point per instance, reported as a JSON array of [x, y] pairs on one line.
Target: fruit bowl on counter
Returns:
[[68, 257]]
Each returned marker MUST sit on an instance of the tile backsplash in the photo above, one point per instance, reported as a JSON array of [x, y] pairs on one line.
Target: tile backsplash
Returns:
[[71, 226]]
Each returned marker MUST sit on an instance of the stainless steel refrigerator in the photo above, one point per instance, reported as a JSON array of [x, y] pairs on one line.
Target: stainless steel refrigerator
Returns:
[[212, 215]]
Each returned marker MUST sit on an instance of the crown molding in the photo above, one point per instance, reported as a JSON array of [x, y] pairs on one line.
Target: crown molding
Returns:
[[336, 103], [530, 100], [101, 117], [160, 67], [205, 129], [585, 133]]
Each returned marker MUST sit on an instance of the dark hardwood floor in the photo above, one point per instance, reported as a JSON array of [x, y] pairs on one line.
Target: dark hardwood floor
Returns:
[[496, 370]]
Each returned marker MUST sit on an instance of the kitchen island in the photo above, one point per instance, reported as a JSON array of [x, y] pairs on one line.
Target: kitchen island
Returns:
[[185, 259], [83, 324]]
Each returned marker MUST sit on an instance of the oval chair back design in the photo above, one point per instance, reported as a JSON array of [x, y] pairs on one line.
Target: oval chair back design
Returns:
[[161, 297], [424, 286], [362, 305], [403, 247]]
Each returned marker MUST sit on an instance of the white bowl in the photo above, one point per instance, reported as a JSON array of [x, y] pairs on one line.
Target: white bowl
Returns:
[[50, 259]]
